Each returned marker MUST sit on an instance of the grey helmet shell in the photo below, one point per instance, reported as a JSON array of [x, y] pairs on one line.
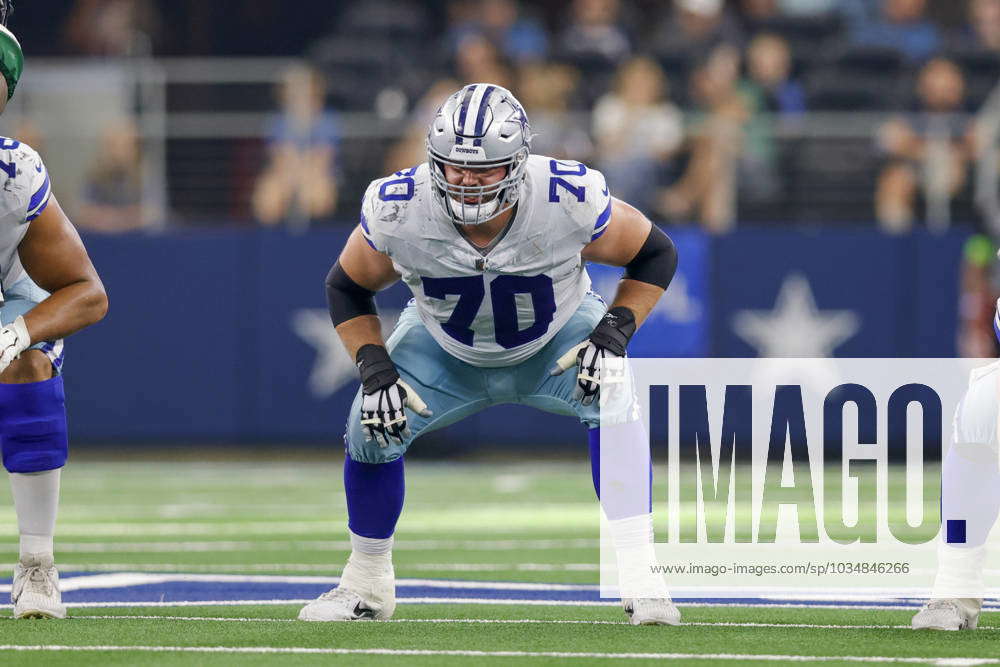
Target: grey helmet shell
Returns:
[[480, 126]]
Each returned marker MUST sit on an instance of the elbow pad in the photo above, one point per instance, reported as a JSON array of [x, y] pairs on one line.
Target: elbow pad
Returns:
[[346, 298], [656, 261]]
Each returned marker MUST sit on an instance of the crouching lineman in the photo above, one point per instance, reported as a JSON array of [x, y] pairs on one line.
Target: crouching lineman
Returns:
[[49, 290], [493, 242], [970, 492]]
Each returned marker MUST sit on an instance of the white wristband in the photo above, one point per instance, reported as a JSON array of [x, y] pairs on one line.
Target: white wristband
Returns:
[[23, 337]]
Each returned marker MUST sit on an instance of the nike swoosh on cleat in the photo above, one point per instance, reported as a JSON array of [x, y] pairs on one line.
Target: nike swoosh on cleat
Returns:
[[363, 612]]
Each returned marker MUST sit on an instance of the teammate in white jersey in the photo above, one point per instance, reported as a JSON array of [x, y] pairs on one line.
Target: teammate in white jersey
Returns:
[[49, 290], [970, 498], [493, 243]]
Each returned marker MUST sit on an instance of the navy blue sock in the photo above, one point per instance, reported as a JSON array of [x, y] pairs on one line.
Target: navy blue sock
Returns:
[[630, 443], [374, 497], [970, 494], [594, 440]]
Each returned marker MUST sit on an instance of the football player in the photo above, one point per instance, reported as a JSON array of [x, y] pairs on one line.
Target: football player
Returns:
[[493, 242], [49, 290], [970, 497]]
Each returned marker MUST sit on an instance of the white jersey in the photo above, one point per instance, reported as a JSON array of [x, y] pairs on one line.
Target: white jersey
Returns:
[[500, 308], [24, 195]]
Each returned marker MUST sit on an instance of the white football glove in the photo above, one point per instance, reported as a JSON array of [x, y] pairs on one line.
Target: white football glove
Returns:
[[599, 359], [382, 413], [596, 366], [14, 340]]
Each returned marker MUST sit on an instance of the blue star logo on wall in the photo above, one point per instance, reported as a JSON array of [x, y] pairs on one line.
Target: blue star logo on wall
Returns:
[[333, 369], [796, 327]]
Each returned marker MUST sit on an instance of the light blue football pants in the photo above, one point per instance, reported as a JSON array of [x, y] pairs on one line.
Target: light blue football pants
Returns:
[[21, 297], [454, 389]]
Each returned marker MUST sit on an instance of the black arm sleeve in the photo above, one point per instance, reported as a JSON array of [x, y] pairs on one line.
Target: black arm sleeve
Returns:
[[346, 298], [656, 261]]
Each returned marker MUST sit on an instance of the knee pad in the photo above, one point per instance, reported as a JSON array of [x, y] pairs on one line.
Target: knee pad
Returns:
[[33, 436]]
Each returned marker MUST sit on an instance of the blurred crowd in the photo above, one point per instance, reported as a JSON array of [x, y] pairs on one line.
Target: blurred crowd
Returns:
[[695, 110], [684, 104], [699, 112]]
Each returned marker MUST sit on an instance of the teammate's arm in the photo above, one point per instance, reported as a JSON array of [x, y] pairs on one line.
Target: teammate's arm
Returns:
[[350, 291], [54, 257]]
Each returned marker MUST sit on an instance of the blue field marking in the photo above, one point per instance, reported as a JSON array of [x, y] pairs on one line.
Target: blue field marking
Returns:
[[90, 588]]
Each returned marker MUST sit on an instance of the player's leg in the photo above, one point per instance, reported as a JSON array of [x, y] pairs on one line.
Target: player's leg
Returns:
[[626, 503], [970, 495], [970, 489], [34, 444], [970, 503], [374, 476]]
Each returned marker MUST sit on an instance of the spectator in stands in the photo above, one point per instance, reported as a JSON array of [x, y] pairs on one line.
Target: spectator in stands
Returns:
[[982, 32], [695, 27], [637, 130], [595, 32], [769, 62], [411, 149], [808, 7], [757, 12], [478, 59], [902, 25], [978, 302], [28, 132], [706, 190], [545, 90], [932, 146], [299, 182], [112, 27], [111, 200], [520, 38]]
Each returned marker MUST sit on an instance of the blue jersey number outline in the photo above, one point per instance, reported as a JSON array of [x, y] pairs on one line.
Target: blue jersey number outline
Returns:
[[8, 145], [559, 168], [405, 180], [503, 296]]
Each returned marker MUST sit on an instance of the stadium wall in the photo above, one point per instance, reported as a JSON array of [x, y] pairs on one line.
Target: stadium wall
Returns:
[[223, 336]]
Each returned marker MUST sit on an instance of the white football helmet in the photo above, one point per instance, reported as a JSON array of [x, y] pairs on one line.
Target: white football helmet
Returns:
[[480, 126]]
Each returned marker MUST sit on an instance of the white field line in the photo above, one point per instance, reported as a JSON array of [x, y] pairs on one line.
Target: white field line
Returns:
[[138, 511], [576, 655], [323, 567], [119, 529], [521, 621], [331, 526], [482, 601], [130, 579], [180, 603], [503, 567], [316, 545]]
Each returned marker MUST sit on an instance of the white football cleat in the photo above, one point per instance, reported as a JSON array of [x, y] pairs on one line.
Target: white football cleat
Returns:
[[652, 611], [367, 590], [35, 592], [947, 614]]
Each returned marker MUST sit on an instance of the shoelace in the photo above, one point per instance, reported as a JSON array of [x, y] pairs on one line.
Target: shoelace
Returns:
[[942, 604], [38, 581], [336, 594]]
